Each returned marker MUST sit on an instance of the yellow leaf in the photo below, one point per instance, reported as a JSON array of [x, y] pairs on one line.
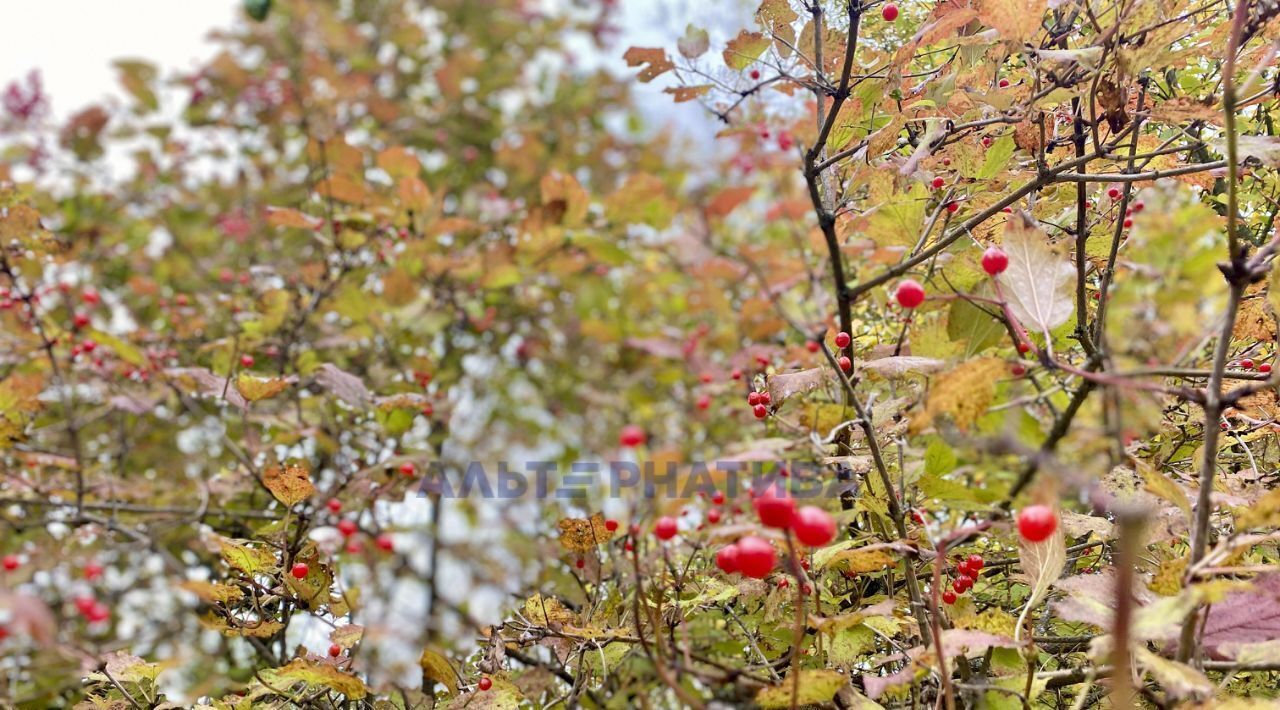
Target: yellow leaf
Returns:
[[437, 668], [816, 687], [315, 674], [399, 162], [256, 388], [290, 484], [963, 394], [250, 560], [210, 592], [655, 58], [1017, 20], [414, 194], [745, 49], [285, 217], [547, 611]]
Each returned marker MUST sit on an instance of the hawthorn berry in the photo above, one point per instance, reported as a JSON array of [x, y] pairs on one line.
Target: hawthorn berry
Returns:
[[428, 410], [1264, 368], [909, 294], [354, 547], [783, 583], [1036, 523], [347, 527], [760, 411], [334, 505], [953, 207], [1246, 364], [335, 650], [845, 363], [938, 183], [11, 562], [736, 374], [665, 528], [90, 297], [1138, 206], [92, 571], [889, 12], [813, 346], [246, 361], [611, 525], [485, 683], [775, 507], [755, 74], [407, 468], [949, 597], [84, 604], [706, 378], [766, 398], [1024, 347], [98, 613], [1128, 223], [80, 320], [718, 497], [727, 559], [703, 402], [986, 141], [299, 570], [1004, 83], [631, 436], [962, 584], [753, 398], [580, 563], [994, 261], [843, 339], [1114, 193], [813, 526], [1017, 369], [713, 516], [976, 563], [756, 557]]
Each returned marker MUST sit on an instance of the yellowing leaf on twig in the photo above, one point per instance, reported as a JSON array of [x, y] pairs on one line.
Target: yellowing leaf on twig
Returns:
[[290, 483]]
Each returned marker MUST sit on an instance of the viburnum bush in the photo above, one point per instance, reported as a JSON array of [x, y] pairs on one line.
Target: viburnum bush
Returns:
[[384, 361]]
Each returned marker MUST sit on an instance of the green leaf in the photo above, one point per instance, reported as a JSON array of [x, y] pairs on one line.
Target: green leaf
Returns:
[[997, 157]]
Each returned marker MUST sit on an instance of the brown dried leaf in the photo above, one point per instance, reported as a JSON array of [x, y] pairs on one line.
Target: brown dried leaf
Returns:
[[582, 535], [654, 57], [290, 484]]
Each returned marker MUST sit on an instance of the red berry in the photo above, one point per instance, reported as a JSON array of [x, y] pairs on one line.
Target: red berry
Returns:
[[1138, 206], [611, 525], [1004, 83], [813, 526], [428, 410], [92, 571], [938, 183], [11, 562], [949, 597], [580, 563], [976, 564], [628, 546], [760, 411], [783, 583], [246, 361], [953, 207], [713, 516], [775, 507], [631, 436], [986, 141], [753, 399], [335, 650], [703, 402], [766, 398], [385, 542], [353, 547], [727, 559], [1264, 368], [80, 320], [98, 613], [812, 346], [889, 12], [1036, 523], [843, 339], [1024, 347], [1017, 369], [755, 74], [918, 517], [718, 497], [90, 297], [994, 261], [1246, 364], [84, 604], [909, 294], [299, 570], [706, 378], [962, 568], [736, 374], [407, 468], [756, 557], [334, 505], [485, 683], [1128, 223], [1114, 193], [962, 584], [845, 363], [665, 528], [347, 527]]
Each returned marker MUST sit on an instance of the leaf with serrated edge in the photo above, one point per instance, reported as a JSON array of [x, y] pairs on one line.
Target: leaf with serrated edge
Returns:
[[1037, 283]]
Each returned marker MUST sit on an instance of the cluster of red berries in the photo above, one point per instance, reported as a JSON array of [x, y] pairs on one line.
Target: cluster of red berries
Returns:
[[759, 403], [94, 611], [755, 557], [348, 529], [967, 571], [1248, 364], [843, 340]]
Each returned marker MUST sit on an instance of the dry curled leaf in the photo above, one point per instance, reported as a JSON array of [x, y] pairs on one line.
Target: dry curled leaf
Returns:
[[584, 534]]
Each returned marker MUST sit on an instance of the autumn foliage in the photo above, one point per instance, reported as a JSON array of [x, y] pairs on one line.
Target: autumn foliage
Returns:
[[979, 291]]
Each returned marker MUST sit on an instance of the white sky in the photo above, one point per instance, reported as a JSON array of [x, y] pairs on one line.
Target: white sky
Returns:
[[73, 42]]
